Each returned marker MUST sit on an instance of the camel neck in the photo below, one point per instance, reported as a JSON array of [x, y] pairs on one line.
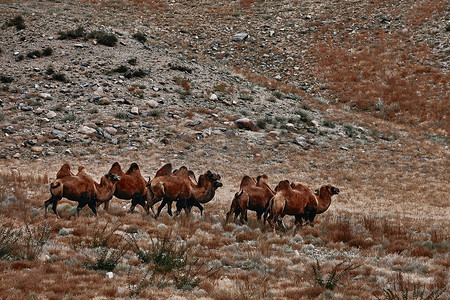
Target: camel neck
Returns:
[[323, 203]]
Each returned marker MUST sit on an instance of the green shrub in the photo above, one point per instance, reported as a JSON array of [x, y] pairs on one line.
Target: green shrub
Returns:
[[47, 51], [34, 54], [72, 34], [331, 280], [104, 38], [140, 37], [404, 290], [60, 77], [17, 21], [6, 79]]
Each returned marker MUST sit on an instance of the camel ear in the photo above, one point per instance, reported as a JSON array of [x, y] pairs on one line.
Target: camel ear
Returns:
[[316, 192]]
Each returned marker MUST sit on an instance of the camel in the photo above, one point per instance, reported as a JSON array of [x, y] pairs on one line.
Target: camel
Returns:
[[167, 187], [130, 186], [80, 188], [182, 187], [202, 191], [253, 195], [298, 200], [323, 197]]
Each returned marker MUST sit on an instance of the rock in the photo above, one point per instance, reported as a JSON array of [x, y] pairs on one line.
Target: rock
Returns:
[[110, 275], [59, 134], [213, 97], [290, 126], [161, 227], [16, 156], [86, 130], [110, 130], [240, 36], [44, 95], [135, 110], [315, 123], [99, 92], [37, 149], [246, 124], [103, 101], [50, 115], [194, 123], [152, 104], [301, 141]]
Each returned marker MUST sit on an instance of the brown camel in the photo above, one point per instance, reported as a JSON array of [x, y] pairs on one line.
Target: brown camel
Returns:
[[297, 200], [80, 188], [130, 186], [181, 186], [253, 195]]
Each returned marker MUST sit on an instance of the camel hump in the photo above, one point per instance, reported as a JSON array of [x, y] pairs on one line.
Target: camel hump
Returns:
[[192, 176], [182, 171], [133, 167], [115, 168], [283, 186], [247, 181], [262, 178], [64, 171], [81, 169], [165, 170]]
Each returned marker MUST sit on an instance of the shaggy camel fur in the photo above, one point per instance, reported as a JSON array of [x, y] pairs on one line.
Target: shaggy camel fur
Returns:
[[323, 197], [167, 187], [202, 191], [253, 195], [130, 186], [80, 188], [297, 200], [181, 186]]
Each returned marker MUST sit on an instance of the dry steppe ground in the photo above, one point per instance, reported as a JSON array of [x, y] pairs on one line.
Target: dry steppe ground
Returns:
[[351, 93]]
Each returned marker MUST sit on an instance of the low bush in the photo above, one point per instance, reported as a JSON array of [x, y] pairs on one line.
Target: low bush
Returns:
[[104, 38]]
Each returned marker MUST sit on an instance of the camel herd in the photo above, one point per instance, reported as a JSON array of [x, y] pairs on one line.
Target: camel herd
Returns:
[[182, 187]]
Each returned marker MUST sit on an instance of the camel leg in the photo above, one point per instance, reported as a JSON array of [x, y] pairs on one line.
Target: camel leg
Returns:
[[311, 216], [199, 207], [93, 207], [164, 202], [106, 205], [54, 201]]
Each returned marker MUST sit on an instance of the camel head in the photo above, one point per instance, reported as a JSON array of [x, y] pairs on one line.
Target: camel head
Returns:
[[212, 176], [329, 189], [112, 177]]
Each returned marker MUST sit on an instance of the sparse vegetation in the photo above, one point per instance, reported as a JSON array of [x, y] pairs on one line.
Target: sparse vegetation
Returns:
[[60, 77], [17, 21], [104, 38], [331, 280], [6, 79], [140, 37], [72, 34]]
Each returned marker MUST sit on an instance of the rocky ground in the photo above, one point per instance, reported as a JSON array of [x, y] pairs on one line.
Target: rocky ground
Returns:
[[239, 88]]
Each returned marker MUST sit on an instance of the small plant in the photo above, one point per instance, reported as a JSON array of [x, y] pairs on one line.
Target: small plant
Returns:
[[120, 69], [17, 21], [402, 290], [69, 118], [19, 244], [121, 115], [72, 34], [304, 116], [180, 68], [331, 281], [34, 54], [140, 37], [107, 258], [6, 79], [328, 123], [132, 61], [47, 51], [261, 123], [278, 94], [136, 73], [50, 70], [60, 77], [350, 130], [155, 113], [104, 38]]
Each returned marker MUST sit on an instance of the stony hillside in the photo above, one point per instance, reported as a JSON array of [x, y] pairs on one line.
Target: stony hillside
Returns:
[[351, 93]]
